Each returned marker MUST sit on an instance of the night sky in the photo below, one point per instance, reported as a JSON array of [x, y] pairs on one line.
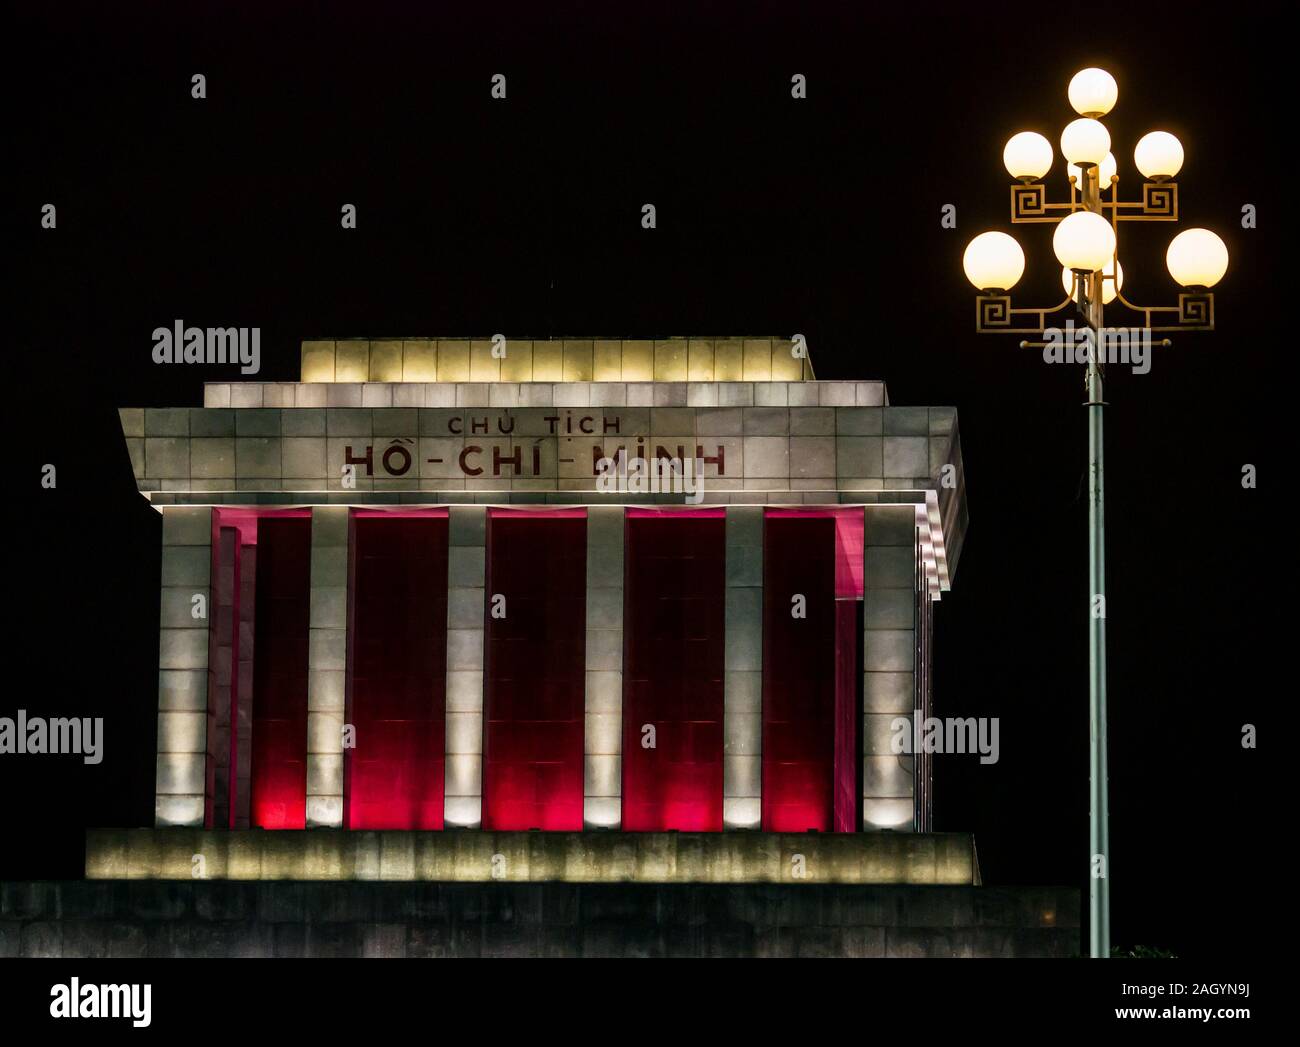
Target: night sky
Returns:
[[818, 216]]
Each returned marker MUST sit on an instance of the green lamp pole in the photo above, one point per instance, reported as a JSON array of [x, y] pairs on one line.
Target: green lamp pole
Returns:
[[1098, 781]]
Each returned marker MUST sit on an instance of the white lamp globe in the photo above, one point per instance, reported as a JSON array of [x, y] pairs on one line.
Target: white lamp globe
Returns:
[[1108, 170], [1109, 288], [1158, 155], [993, 262], [1197, 258], [1027, 155], [1084, 241], [1085, 141], [1093, 92]]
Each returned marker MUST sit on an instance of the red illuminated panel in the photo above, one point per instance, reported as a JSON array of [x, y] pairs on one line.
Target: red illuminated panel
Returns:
[[850, 524], [798, 673], [397, 670], [674, 634], [282, 594], [849, 534], [812, 677], [535, 670]]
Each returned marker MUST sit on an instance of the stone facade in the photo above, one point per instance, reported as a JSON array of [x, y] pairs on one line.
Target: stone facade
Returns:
[[427, 422], [571, 360], [183, 708], [327, 665], [473, 856], [485, 447], [112, 919], [458, 422]]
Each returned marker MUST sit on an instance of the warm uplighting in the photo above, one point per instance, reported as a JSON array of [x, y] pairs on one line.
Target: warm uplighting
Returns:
[[1108, 171], [1197, 258], [1093, 92], [603, 857], [1109, 287], [1085, 141], [993, 262], [1084, 241], [1027, 155], [1158, 155]]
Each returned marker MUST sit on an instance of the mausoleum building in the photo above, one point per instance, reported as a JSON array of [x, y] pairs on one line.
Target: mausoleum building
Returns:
[[547, 609]]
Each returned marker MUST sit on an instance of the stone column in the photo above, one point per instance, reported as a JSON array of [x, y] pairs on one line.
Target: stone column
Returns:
[[241, 720], [888, 655], [181, 780], [742, 717], [224, 637], [466, 574], [327, 665], [602, 757]]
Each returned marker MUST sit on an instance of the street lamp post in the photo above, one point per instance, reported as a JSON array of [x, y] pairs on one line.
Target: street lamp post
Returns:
[[1086, 244]]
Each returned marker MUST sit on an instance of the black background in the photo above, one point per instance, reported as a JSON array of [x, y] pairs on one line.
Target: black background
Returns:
[[775, 216]]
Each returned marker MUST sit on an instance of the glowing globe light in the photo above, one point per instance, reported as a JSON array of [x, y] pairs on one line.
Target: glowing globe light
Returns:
[[1108, 170], [1084, 241], [993, 262], [1027, 155], [1158, 155], [1085, 141], [1093, 92], [1197, 258], [1109, 288]]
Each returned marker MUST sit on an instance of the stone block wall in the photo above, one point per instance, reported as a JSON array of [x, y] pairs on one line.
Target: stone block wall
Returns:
[[182, 767], [108, 918], [552, 360], [889, 676], [841, 446], [466, 581], [327, 654]]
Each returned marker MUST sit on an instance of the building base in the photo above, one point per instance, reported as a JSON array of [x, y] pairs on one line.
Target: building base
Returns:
[[116, 918], [475, 856]]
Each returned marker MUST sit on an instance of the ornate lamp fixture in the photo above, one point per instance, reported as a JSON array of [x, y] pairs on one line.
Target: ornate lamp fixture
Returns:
[[1086, 243]]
